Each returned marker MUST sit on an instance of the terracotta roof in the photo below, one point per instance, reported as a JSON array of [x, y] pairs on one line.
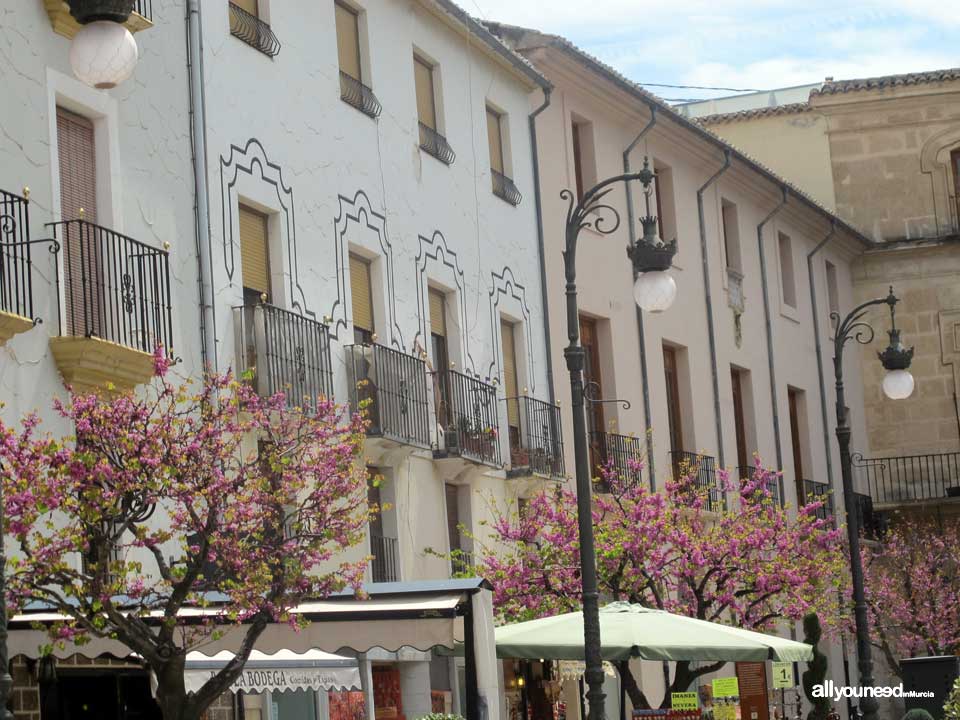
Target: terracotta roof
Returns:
[[521, 38], [833, 87], [772, 111]]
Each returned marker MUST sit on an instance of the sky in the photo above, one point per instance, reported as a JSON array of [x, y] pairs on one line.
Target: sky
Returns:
[[749, 44]]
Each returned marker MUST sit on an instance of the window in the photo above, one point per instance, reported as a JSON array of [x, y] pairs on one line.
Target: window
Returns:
[[495, 139], [740, 382], [383, 531], [731, 235], [441, 354], [663, 193], [955, 164], [348, 41], [796, 400], [426, 96], [458, 513], [589, 339], [361, 294], [833, 293], [671, 374], [787, 282], [503, 186], [584, 162], [511, 384], [254, 256], [78, 199]]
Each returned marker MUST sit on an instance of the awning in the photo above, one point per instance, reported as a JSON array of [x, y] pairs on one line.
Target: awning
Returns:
[[284, 670]]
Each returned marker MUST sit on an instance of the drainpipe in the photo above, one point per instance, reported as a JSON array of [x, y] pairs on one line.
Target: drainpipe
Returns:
[[816, 336], [198, 123], [767, 323], [541, 252], [711, 334], [632, 229]]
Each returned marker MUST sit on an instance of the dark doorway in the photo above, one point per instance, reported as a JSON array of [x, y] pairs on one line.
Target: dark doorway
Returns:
[[106, 696]]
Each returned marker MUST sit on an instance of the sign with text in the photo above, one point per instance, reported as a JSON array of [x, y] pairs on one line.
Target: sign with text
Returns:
[[783, 675], [726, 687], [684, 701]]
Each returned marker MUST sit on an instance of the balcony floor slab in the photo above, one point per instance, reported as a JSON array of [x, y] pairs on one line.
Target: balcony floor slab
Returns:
[[90, 364]]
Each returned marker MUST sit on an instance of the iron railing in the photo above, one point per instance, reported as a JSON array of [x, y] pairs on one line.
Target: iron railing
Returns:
[[16, 265], [353, 92], [394, 385], [115, 288], [253, 31], [702, 469], [909, 478], [436, 144], [462, 563], [144, 8], [747, 472], [537, 445], [466, 409], [504, 188], [620, 454], [385, 566], [871, 522], [284, 352], [813, 490]]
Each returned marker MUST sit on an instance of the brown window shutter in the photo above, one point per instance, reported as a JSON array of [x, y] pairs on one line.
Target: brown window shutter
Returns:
[[78, 167], [348, 41], [254, 251], [495, 139], [361, 293], [511, 386], [438, 315], [426, 107], [249, 5]]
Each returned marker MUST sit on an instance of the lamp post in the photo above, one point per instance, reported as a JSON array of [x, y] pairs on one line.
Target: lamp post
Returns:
[[654, 290], [897, 385]]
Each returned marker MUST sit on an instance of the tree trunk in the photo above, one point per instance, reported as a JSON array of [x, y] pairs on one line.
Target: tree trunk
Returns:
[[683, 677], [637, 697], [172, 693]]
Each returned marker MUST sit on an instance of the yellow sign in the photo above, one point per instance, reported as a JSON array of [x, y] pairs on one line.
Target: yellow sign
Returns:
[[725, 711], [783, 675], [726, 687], [684, 701]]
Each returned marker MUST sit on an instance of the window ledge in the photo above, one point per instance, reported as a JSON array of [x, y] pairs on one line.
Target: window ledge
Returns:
[[63, 23], [789, 312]]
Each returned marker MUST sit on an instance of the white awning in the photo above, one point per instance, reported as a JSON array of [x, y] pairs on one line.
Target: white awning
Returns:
[[416, 621], [284, 670]]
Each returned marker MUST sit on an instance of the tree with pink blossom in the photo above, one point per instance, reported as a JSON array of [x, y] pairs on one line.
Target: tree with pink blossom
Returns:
[[186, 495], [750, 563], [912, 583]]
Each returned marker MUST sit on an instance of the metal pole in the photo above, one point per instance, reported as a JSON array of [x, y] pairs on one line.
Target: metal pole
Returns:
[[6, 682]]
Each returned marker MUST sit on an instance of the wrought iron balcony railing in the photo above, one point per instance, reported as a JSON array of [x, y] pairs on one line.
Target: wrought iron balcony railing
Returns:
[[436, 144], [253, 31], [621, 454], [16, 264], [385, 566], [285, 353], [909, 478], [115, 288], [747, 472], [394, 385], [504, 188], [702, 469], [537, 445], [353, 92], [813, 490], [466, 410], [462, 563], [144, 8]]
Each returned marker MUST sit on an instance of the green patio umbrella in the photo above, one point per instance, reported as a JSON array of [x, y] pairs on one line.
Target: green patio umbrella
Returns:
[[629, 631]]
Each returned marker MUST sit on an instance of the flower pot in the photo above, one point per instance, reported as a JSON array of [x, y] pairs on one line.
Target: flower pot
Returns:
[[88, 11]]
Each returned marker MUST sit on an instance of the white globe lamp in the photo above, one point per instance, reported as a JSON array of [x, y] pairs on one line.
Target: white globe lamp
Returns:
[[898, 384], [654, 290], [103, 54]]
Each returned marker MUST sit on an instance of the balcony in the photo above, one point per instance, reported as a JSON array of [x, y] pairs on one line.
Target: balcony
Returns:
[[385, 566], [818, 491], [702, 469], [433, 143], [467, 413], [16, 267], [355, 93], [253, 31], [504, 188], [462, 563], [536, 447], [620, 454], [284, 352], [394, 386], [63, 23], [747, 472], [115, 309], [909, 479]]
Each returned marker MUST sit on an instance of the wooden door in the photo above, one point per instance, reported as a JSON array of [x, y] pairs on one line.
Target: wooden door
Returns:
[[591, 374], [674, 416], [744, 461], [793, 400]]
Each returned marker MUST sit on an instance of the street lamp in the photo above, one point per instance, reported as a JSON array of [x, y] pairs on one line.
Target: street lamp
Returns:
[[654, 290], [103, 53], [897, 385]]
